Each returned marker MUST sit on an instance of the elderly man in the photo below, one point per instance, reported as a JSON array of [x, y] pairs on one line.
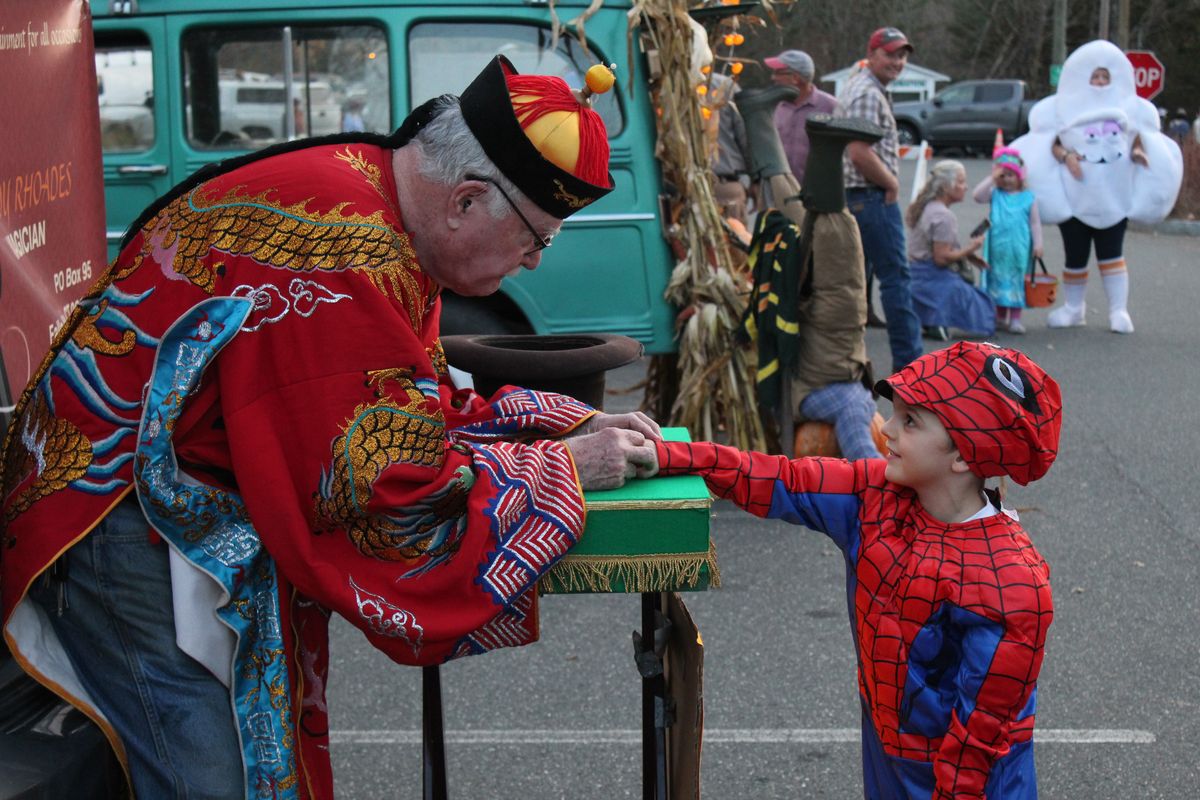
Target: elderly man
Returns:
[[248, 426], [872, 176], [795, 68]]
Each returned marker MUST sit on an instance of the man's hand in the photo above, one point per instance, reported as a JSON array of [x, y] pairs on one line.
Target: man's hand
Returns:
[[871, 166], [635, 421], [611, 456], [891, 192]]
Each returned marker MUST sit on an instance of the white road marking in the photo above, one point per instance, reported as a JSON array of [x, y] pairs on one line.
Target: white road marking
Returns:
[[711, 736]]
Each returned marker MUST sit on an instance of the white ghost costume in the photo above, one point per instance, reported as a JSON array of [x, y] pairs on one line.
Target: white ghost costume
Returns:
[[1100, 124]]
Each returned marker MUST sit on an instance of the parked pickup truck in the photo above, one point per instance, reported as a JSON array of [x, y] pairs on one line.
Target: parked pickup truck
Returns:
[[966, 115]]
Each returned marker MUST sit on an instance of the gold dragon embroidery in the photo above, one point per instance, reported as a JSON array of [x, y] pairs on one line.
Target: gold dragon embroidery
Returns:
[[291, 237], [53, 451], [88, 337], [437, 355], [359, 164], [378, 435]]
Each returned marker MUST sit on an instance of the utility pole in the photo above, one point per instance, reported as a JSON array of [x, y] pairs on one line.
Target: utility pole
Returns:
[[1058, 43], [1105, 15], [1123, 24]]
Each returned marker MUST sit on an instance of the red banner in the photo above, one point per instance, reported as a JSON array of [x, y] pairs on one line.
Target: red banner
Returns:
[[51, 181]]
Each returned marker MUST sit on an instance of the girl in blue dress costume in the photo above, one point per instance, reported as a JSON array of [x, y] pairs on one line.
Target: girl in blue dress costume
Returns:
[[1015, 233]]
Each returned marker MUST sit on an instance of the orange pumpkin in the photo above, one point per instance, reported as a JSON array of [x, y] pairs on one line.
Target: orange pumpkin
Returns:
[[815, 438]]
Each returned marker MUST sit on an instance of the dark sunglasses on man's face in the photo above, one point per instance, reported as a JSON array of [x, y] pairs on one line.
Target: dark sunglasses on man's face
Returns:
[[540, 242]]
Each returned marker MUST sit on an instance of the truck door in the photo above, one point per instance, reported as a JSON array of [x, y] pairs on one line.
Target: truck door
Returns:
[[953, 114], [134, 130], [998, 106]]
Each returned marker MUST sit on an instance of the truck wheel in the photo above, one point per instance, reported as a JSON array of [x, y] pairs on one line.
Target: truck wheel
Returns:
[[907, 134], [485, 316]]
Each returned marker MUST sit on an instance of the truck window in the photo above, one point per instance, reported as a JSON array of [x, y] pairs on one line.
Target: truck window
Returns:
[[958, 95], [237, 83], [994, 92], [125, 86], [445, 56]]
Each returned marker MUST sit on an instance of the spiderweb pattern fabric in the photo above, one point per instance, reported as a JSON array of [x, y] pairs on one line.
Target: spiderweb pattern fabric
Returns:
[[950, 620], [1002, 411]]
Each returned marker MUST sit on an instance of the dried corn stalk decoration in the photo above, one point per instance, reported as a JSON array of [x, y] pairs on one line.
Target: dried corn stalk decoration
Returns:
[[710, 387]]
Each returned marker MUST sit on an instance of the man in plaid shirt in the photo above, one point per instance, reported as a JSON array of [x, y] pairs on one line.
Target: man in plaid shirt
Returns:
[[871, 175]]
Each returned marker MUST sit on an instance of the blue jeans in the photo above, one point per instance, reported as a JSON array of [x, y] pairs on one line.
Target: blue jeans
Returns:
[[174, 717], [850, 408], [882, 233]]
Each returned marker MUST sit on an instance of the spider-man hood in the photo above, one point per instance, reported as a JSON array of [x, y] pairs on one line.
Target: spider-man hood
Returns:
[[1002, 411]]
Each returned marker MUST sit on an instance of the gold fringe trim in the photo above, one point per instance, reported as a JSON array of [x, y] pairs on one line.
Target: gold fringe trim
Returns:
[[650, 505], [650, 573]]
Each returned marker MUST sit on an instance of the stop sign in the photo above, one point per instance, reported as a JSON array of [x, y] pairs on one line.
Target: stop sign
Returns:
[[1148, 73]]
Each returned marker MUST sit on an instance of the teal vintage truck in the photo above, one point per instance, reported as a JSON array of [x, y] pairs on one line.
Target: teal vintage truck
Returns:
[[184, 83]]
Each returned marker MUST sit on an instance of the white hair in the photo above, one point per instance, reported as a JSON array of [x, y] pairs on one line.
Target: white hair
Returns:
[[447, 151], [942, 176]]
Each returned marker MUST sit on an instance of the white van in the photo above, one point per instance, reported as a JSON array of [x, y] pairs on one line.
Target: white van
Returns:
[[252, 106]]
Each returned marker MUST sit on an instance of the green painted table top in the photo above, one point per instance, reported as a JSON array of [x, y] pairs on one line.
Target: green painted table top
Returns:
[[649, 535]]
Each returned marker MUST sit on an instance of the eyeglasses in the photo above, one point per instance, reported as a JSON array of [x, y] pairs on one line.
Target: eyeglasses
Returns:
[[540, 242]]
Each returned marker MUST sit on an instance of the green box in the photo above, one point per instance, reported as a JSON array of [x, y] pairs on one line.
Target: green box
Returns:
[[648, 536]]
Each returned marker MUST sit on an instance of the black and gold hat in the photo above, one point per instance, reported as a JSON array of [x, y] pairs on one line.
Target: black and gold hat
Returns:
[[544, 137]]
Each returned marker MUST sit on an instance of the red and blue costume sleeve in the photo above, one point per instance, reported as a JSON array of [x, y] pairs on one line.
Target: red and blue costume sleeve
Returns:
[[950, 620]]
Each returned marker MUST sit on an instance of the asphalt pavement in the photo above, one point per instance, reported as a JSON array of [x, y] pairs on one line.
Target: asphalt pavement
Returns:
[[1118, 704]]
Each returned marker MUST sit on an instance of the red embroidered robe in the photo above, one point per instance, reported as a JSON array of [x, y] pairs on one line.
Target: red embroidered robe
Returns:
[[262, 364]]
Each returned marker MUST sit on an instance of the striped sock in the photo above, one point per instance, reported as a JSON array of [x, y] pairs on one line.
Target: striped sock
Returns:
[[1074, 287], [1116, 284]]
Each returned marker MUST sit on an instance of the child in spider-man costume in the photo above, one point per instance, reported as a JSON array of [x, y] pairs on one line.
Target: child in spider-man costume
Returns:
[[949, 598]]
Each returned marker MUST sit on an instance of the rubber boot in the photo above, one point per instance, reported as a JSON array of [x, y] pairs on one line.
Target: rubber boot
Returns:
[[824, 190], [765, 151]]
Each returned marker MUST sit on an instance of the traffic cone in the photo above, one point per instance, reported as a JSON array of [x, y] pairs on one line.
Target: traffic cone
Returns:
[[999, 141]]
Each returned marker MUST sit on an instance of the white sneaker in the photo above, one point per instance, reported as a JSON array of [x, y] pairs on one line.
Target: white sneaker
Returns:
[[1119, 322], [1067, 317], [1015, 326]]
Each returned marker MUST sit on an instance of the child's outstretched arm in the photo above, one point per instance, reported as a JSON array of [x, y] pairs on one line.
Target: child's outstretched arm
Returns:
[[820, 493]]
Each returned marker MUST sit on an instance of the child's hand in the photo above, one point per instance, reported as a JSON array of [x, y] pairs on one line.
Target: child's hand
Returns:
[[1072, 163], [1037, 252], [976, 243]]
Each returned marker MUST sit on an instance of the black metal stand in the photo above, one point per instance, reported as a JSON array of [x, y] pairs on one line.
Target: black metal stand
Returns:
[[433, 747], [657, 713]]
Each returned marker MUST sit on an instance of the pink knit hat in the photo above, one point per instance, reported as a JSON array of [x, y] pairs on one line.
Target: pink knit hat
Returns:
[[1010, 159]]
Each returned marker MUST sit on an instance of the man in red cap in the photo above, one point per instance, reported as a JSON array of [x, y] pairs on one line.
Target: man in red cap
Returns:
[[950, 601], [247, 425], [872, 177]]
